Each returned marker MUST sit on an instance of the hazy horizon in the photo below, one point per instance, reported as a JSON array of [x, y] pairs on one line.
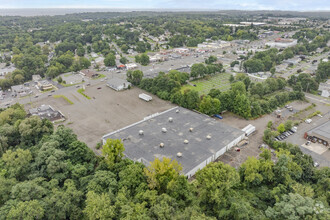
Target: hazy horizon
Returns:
[[63, 11], [284, 5]]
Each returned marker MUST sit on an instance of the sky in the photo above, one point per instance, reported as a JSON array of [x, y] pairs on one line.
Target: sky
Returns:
[[292, 5]]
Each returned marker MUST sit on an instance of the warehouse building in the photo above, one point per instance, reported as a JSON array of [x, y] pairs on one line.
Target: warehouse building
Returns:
[[193, 139], [320, 134]]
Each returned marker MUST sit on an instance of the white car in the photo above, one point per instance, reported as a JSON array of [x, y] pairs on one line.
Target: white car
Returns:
[[308, 121]]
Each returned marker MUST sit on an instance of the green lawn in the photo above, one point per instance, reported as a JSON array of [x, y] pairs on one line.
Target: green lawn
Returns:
[[64, 97], [68, 85], [203, 86], [81, 91]]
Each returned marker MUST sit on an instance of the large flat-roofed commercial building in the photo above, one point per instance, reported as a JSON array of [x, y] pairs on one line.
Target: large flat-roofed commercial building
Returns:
[[320, 134], [193, 139]]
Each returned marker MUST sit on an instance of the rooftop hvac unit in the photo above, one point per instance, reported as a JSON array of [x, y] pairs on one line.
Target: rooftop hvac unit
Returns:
[[170, 119], [186, 141], [191, 129], [164, 130], [141, 132], [161, 145], [208, 137], [177, 111], [179, 154]]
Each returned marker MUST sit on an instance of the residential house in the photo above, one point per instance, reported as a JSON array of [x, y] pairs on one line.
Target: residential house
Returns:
[[118, 84], [47, 112], [44, 85]]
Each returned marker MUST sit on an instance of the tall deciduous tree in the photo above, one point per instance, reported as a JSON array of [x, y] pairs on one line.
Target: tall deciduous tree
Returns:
[[17, 162], [110, 60], [98, 206], [295, 206], [198, 70], [161, 173], [215, 183], [209, 105], [113, 151], [28, 210]]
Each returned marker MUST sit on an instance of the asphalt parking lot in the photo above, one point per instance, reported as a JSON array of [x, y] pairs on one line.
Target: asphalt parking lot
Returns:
[[236, 158], [106, 111], [318, 152]]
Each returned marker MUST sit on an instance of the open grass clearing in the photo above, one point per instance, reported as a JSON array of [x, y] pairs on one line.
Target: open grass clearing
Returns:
[[203, 86], [64, 97], [81, 91]]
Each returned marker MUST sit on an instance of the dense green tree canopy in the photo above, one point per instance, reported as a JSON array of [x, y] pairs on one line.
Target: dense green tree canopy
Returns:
[[55, 176]]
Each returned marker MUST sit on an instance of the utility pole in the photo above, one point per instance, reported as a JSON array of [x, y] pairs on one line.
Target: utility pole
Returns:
[[307, 87]]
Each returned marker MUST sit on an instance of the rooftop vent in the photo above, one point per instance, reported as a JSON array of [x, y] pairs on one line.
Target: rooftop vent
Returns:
[[141, 132], [186, 141], [179, 154], [191, 129], [170, 119], [177, 111], [208, 137], [164, 130], [161, 145]]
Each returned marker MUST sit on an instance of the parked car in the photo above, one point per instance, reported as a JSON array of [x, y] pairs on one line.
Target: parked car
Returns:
[[316, 164], [308, 121], [99, 88], [218, 116]]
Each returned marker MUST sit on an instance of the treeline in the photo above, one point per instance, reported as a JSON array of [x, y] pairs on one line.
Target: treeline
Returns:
[[46, 173], [32, 59], [305, 82], [247, 99]]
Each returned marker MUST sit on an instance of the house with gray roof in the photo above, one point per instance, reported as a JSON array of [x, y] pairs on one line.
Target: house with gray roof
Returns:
[[47, 112], [118, 84]]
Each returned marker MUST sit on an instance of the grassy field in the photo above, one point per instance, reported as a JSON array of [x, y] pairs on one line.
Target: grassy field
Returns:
[[203, 86], [68, 85], [64, 97], [81, 91]]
